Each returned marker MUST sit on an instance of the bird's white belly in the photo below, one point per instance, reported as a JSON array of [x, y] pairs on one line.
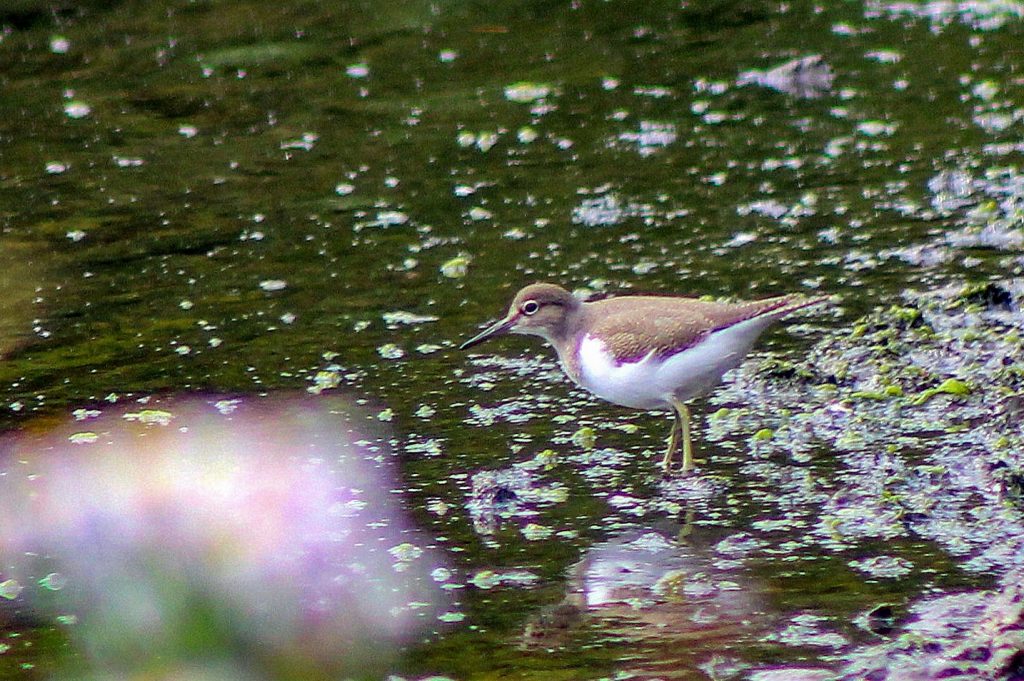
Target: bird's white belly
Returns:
[[650, 382]]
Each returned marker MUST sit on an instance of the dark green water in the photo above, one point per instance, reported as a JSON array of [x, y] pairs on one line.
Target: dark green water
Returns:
[[355, 150]]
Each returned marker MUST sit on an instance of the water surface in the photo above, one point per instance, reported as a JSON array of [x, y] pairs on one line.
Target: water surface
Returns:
[[240, 198]]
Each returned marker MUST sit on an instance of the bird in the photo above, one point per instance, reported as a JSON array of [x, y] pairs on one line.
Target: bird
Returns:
[[649, 352]]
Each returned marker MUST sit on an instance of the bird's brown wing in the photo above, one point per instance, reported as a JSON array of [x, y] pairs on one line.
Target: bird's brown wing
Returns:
[[633, 326]]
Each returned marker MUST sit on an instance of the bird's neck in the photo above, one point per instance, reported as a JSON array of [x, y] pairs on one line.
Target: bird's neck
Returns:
[[565, 338]]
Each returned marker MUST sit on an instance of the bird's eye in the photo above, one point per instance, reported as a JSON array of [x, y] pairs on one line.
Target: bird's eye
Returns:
[[530, 307]]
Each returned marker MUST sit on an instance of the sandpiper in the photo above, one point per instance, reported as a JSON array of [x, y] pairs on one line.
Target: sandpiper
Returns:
[[645, 352]]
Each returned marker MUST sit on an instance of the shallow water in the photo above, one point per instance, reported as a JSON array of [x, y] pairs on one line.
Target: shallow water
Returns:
[[231, 198]]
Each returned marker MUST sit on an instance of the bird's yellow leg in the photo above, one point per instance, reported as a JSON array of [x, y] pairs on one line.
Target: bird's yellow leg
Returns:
[[673, 442], [683, 421]]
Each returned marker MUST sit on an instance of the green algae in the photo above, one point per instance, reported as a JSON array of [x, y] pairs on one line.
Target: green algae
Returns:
[[585, 437], [160, 417], [950, 386]]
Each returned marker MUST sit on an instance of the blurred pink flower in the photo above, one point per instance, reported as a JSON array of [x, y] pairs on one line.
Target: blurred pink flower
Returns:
[[237, 530]]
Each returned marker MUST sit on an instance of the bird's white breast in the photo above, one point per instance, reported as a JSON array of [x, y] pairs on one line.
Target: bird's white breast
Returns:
[[651, 382]]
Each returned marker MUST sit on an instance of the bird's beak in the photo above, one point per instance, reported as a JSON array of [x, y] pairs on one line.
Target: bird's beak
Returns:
[[496, 329]]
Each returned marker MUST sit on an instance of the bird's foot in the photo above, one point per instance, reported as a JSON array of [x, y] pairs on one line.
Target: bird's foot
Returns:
[[669, 473], [694, 468]]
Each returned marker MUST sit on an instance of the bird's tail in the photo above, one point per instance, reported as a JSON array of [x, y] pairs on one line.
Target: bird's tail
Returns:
[[791, 303]]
